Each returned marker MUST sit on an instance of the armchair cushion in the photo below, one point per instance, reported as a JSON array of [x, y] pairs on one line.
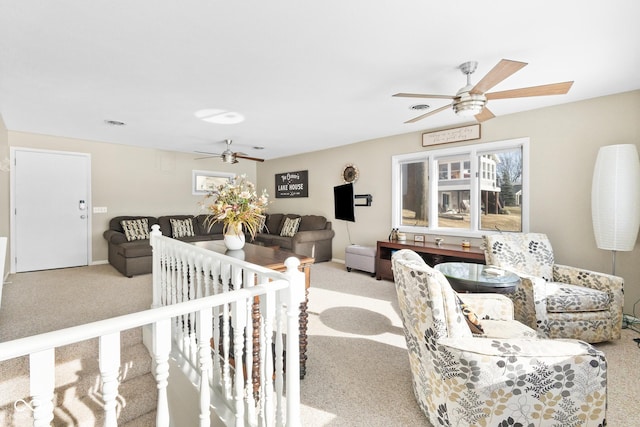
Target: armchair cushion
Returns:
[[563, 297], [529, 253]]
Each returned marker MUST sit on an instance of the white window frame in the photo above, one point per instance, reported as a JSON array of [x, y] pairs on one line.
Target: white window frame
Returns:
[[431, 157]]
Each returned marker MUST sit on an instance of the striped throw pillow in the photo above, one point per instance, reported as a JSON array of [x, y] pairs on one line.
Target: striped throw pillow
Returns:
[[290, 227], [181, 227], [135, 229]]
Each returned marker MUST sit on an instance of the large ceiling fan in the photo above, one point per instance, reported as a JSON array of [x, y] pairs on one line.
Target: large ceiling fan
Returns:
[[229, 156], [471, 100]]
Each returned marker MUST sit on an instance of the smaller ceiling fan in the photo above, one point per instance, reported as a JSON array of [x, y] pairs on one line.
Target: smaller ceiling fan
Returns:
[[471, 100], [227, 155]]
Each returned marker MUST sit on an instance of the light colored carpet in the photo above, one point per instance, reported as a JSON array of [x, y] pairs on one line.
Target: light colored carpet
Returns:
[[357, 368]]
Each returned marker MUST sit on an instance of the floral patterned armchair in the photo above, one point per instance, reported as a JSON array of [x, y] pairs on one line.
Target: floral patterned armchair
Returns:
[[560, 301], [461, 379]]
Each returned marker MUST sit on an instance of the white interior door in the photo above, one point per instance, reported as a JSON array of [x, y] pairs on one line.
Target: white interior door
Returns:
[[51, 192]]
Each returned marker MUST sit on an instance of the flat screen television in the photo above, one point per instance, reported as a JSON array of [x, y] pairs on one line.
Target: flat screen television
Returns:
[[343, 202]]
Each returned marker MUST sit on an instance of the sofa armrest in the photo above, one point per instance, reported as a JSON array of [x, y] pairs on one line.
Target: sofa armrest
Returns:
[[114, 237], [312, 236]]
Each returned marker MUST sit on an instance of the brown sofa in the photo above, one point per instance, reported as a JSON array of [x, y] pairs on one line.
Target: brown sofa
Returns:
[[134, 257], [313, 237]]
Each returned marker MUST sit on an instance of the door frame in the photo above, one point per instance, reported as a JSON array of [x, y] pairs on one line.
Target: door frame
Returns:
[[12, 205]]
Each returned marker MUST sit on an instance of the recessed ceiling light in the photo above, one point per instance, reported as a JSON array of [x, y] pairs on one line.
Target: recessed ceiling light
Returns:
[[222, 117], [256, 147], [114, 123], [419, 107]]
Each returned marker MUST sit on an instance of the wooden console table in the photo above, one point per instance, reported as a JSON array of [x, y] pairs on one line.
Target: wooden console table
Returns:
[[430, 252]]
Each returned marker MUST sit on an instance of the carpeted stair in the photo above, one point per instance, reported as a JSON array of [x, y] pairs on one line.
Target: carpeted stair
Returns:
[[77, 394]]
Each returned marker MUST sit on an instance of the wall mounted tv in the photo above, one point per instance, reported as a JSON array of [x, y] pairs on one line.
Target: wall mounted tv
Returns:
[[343, 202]]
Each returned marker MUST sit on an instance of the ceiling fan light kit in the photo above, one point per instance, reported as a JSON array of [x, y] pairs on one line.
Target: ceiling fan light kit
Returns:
[[228, 156], [471, 100], [468, 104]]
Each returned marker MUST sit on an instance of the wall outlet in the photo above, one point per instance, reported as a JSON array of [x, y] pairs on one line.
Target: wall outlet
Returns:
[[99, 209]]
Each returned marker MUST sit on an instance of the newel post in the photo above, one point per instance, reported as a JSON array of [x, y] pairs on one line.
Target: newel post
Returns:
[[155, 266], [293, 297]]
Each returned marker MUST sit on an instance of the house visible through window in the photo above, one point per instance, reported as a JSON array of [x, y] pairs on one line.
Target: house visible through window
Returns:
[[466, 190]]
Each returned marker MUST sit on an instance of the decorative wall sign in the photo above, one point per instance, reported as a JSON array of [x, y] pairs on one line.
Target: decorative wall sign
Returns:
[[292, 184], [464, 133]]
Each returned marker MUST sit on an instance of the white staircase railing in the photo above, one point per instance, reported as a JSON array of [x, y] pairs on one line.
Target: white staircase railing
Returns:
[[249, 342], [208, 329]]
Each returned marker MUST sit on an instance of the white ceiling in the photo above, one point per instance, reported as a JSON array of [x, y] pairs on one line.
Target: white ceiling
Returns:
[[306, 75]]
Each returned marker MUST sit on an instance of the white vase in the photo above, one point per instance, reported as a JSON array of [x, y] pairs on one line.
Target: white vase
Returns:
[[234, 238]]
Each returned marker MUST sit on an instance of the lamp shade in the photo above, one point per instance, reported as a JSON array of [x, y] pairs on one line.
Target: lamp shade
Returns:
[[615, 197]]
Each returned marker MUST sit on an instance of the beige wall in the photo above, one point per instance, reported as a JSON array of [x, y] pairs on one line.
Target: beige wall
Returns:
[[131, 180], [564, 144]]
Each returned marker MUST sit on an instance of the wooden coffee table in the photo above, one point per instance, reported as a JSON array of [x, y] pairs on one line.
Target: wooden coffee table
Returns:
[[273, 258]]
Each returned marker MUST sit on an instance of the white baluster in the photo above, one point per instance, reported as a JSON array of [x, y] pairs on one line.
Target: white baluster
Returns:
[[109, 367], [161, 349], [204, 362], [155, 268], [42, 380], [239, 317], [267, 308], [294, 296], [279, 370]]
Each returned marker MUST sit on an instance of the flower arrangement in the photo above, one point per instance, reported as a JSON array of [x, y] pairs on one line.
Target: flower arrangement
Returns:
[[235, 204]]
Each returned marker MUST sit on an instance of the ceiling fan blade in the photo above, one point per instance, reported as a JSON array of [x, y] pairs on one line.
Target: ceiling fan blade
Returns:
[[542, 90], [501, 71], [208, 155], [422, 95], [255, 159], [484, 115], [437, 110]]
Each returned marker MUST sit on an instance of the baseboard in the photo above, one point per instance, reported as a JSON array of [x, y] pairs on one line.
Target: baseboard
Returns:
[[99, 262], [339, 261]]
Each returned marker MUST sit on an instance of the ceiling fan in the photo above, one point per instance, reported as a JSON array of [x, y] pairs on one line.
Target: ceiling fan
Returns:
[[228, 156], [471, 100]]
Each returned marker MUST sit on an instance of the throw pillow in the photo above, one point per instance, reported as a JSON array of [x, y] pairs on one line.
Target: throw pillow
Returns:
[[290, 227], [471, 318], [135, 229], [181, 227]]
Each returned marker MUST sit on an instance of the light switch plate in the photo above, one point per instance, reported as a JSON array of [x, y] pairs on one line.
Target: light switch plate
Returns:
[[99, 209]]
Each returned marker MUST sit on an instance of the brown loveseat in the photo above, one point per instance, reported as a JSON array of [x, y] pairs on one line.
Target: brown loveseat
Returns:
[[131, 255], [313, 236]]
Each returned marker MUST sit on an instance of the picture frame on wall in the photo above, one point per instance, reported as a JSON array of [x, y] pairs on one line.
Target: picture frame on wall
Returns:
[[203, 182]]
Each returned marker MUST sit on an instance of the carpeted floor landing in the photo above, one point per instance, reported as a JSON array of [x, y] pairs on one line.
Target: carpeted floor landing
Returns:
[[357, 368]]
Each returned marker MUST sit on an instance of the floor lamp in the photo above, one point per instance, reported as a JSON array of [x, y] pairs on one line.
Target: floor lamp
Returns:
[[615, 198]]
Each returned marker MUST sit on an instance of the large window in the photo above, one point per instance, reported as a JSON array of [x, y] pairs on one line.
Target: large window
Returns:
[[465, 191]]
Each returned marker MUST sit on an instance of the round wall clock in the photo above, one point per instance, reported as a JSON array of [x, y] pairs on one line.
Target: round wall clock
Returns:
[[350, 173]]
